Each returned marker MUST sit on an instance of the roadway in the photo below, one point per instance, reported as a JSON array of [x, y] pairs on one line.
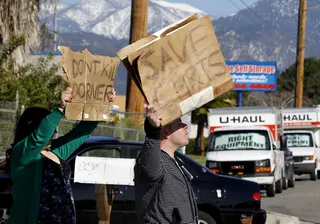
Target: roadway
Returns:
[[302, 201]]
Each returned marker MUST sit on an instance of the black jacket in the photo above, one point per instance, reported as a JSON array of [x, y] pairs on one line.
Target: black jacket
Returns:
[[162, 189]]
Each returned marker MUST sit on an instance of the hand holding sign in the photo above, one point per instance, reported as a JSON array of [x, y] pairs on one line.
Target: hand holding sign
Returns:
[[66, 96], [154, 116], [113, 96]]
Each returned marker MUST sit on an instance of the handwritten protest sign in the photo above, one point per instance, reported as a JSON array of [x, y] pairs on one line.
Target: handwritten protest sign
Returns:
[[179, 68], [92, 79], [99, 170]]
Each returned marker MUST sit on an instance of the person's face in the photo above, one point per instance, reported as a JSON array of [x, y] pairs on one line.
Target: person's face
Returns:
[[177, 133]]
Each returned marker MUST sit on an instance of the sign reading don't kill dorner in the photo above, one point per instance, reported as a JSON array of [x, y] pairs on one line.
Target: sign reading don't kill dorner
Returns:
[[91, 78]]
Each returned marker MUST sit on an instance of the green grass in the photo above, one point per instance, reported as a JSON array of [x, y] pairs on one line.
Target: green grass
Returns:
[[199, 159]]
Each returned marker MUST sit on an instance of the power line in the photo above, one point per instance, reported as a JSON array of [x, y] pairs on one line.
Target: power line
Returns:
[[235, 5], [256, 14], [275, 28], [248, 7]]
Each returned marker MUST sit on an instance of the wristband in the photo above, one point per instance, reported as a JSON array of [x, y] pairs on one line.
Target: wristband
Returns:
[[61, 109]]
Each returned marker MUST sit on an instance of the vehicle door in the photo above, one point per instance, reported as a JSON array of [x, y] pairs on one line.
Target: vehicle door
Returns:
[[278, 159]]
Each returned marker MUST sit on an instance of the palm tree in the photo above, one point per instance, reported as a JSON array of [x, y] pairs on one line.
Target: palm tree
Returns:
[[200, 114], [20, 18]]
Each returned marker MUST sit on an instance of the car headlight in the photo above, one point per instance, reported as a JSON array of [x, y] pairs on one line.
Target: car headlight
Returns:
[[211, 164], [263, 163], [308, 157], [263, 166]]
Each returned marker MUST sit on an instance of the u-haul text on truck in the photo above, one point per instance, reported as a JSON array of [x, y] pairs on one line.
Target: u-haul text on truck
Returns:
[[245, 142], [302, 128]]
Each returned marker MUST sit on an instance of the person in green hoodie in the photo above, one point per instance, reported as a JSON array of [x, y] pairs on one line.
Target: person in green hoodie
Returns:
[[38, 168]]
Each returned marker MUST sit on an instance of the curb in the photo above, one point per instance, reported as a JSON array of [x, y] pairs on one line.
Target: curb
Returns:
[[277, 218]]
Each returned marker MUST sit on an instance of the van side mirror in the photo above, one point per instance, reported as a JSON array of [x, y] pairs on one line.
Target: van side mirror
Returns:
[[274, 147], [283, 143], [288, 153]]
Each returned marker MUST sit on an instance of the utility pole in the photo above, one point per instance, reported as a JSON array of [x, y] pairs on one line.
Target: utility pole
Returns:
[[138, 29], [134, 103], [55, 26], [300, 52]]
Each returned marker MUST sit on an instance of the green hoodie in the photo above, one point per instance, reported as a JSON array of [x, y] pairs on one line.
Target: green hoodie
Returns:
[[26, 164]]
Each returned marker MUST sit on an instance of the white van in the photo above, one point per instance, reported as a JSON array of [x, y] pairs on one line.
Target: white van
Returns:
[[245, 142], [302, 128]]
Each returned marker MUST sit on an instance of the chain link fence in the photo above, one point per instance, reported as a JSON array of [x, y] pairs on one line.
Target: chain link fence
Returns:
[[126, 126], [8, 116], [128, 134]]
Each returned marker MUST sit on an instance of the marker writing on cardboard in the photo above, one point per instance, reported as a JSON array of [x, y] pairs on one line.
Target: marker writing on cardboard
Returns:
[[177, 59], [93, 91], [94, 68]]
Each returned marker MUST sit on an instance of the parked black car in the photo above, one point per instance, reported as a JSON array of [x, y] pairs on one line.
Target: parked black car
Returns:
[[289, 179], [221, 200]]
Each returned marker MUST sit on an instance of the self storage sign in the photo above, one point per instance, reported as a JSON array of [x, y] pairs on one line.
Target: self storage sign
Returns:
[[253, 76]]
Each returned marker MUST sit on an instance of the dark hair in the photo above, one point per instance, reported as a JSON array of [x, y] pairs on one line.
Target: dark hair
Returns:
[[28, 123]]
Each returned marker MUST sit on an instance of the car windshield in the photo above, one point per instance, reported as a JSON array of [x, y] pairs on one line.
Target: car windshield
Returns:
[[239, 140], [299, 140]]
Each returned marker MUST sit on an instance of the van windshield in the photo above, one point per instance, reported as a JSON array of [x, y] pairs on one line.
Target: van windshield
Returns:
[[240, 140], [299, 140]]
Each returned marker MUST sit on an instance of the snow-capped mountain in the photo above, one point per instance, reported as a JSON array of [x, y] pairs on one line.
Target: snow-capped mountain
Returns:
[[112, 18], [267, 31]]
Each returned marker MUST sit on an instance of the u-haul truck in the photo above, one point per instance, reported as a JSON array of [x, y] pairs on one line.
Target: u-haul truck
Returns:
[[302, 128], [245, 142]]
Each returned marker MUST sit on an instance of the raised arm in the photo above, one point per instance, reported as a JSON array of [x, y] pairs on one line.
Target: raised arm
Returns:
[[149, 160], [28, 149], [67, 144], [40, 137]]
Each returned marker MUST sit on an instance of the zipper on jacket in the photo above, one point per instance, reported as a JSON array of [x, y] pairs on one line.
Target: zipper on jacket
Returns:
[[189, 192]]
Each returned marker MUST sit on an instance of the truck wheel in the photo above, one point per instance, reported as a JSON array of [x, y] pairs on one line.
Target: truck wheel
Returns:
[[271, 190], [313, 175], [205, 218], [279, 186], [285, 182], [292, 180]]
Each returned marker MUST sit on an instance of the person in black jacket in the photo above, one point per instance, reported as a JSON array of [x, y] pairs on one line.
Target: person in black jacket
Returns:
[[163, 191]]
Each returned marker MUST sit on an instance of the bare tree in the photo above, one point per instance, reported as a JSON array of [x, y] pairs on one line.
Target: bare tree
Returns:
[[280, 99], [20, 18]]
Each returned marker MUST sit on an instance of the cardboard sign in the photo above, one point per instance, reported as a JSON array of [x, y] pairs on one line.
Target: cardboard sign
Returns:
[[179, 68], [91, 78]]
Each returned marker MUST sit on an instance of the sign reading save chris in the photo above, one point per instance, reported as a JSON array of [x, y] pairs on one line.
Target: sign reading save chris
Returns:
[[253, 76]]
